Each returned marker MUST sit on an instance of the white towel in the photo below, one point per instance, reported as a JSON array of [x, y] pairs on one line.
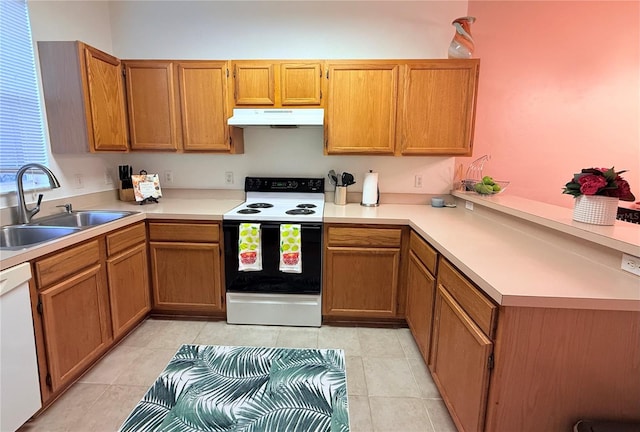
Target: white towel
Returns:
[[249, 247], [290, 248]]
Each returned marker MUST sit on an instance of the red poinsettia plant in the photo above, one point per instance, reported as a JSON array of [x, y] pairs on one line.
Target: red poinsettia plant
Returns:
[[599, 181]]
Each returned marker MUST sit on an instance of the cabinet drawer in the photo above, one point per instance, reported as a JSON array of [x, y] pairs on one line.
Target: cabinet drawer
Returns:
[[125, 238], [481, 310], [63, 264], [424, 252], [184, 232], [372, 237]]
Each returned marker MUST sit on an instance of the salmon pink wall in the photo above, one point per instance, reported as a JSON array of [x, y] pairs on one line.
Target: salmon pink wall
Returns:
[[559, 91]]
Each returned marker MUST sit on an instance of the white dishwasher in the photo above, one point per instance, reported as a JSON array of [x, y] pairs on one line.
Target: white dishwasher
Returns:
[[19, 383]]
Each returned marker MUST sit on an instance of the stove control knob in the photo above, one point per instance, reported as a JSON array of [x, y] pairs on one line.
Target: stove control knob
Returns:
[[293, 184]]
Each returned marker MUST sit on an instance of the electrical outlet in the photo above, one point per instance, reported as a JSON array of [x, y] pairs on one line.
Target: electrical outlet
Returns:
[[168, 177], [78, 181], [108, 180], [228, 177], [631, 264], [417, 181], [468, 205]]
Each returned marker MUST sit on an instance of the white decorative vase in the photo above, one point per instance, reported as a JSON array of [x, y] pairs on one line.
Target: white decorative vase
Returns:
[[595, 209]]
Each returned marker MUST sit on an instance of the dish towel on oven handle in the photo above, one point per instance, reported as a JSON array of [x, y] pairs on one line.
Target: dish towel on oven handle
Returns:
[[290, 248], [249, 247]]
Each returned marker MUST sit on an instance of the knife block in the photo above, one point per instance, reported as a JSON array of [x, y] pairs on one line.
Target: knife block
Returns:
[[125, 194]]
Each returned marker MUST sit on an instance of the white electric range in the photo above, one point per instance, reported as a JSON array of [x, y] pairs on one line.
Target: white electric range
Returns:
[[271, 296]]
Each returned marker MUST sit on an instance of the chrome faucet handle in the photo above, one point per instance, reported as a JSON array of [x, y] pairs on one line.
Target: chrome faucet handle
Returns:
[[31, 212], [67, 207]]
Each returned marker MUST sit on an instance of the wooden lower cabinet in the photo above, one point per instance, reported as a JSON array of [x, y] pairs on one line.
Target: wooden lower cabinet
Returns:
[[462, 347], [187, 274], [420, 300], [460, 364], [75, 318], [361, 272], [128, 277]]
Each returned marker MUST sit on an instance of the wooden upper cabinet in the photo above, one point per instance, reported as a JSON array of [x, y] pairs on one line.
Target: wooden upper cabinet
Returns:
[[180, 106], [152, 105], [361, 107], [436, 109], [300, 84], [274, 83], [254, 83], [203, 95], [84, 98]]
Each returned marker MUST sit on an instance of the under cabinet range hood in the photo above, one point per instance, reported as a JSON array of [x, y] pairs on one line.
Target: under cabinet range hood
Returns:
[[278, 117]]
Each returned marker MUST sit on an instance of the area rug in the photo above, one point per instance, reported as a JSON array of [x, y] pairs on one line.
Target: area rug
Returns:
[[246, 389]]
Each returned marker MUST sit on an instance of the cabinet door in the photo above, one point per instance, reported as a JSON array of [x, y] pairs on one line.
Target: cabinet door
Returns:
[[361, 108], [361, 282], [254, 83], [186, 276], [152, 105], [420, 299], [128, 288], [437, 113], [104, 101], [203, 97], [76, 324], [460, 363], [300, 84]]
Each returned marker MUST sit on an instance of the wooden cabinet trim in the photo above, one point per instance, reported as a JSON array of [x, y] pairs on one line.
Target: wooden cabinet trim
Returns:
[[366, 237], [62, 264], [126, 238], [424, 252], [473, 301], [184, 232]]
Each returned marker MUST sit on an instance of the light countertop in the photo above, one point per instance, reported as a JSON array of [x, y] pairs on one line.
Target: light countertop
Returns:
[[517, 261], [514, 265]]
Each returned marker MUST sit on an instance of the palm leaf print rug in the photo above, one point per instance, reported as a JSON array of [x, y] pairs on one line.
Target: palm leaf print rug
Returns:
[[246, 389]]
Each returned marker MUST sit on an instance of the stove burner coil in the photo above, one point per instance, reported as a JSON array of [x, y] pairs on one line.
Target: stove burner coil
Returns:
[[300, 211], [306, 206], [248, 211], [259, 205]]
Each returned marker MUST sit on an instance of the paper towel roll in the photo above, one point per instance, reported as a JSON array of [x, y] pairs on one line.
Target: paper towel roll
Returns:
[[370, 189]]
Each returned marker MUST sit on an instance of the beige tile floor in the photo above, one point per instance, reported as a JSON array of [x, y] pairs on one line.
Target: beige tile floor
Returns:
[[390, 389]]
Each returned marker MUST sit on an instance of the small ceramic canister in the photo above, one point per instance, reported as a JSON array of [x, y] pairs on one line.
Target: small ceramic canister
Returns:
[[437, 202]]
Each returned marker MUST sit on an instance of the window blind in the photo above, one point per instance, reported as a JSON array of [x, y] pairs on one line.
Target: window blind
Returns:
[[21, 129]]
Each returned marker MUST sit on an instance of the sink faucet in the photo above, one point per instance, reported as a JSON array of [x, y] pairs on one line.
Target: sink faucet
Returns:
[[25, 214]]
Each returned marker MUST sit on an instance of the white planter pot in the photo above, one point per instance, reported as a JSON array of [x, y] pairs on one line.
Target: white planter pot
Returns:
[[595, 209]]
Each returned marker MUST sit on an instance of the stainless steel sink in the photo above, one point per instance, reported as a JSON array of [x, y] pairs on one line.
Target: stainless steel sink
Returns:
[[81, 219], [15, 237]]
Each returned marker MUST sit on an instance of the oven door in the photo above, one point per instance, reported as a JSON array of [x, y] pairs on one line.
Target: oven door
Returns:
[[270, 279]]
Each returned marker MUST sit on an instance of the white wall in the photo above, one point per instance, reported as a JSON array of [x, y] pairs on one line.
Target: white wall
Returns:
[[257, 30], [87, 21]]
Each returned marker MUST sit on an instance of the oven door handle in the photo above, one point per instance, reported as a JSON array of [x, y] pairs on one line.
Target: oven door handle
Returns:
[[305, 227]]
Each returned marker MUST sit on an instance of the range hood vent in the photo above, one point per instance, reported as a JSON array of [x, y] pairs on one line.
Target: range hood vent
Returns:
[[279, 118]]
